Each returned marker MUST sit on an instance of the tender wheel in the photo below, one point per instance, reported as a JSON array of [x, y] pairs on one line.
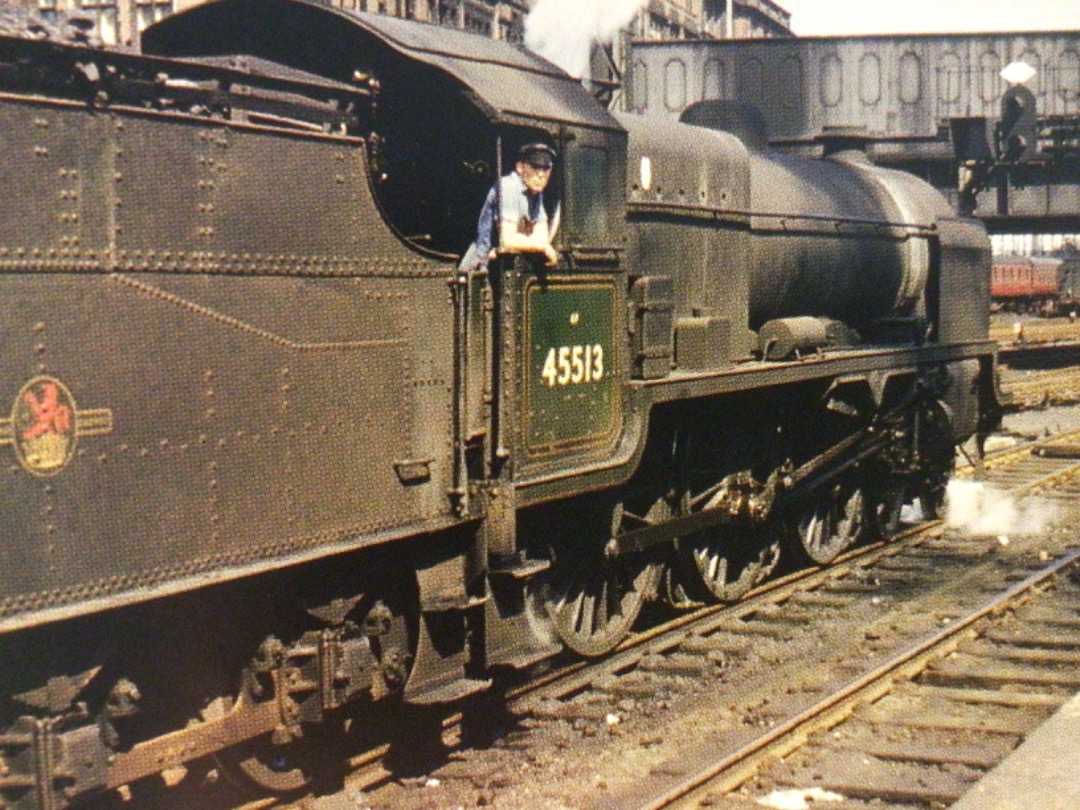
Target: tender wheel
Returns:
[[292, 761], [831, 525], [276, 769], [261, 767], [593, 600], [724, 565]]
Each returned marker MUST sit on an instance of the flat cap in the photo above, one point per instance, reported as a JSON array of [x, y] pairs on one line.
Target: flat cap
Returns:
[[539, 155]]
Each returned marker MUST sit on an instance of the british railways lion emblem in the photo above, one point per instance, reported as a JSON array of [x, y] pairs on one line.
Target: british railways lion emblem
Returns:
[[45, 426]]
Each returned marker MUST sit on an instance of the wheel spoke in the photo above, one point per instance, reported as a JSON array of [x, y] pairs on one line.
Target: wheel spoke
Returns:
[[722, 565], [593, 601], [830, 526]]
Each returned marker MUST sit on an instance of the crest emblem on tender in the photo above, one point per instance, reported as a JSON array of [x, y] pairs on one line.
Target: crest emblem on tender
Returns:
[[45, 426]]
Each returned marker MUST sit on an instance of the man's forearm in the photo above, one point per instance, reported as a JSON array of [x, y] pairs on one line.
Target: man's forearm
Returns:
[[511, 238]]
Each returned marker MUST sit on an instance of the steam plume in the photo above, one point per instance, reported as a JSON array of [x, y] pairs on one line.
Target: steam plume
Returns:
[[981, 510], [563, 31]]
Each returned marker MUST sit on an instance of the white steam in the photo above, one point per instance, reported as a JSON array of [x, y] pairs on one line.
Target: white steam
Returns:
[[563, 31], [982, 510]]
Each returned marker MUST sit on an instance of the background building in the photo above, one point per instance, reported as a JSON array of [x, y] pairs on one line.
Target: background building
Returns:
[[120, 21]]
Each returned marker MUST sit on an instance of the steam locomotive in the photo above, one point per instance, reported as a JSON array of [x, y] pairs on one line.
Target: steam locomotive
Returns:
[[273, 460]]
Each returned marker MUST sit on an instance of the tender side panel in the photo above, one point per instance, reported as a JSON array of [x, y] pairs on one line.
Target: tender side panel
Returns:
[[55, 171], [243, 198], [195, 411]]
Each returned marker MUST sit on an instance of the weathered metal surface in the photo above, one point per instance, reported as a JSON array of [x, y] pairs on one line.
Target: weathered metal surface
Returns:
[[574, 402], [243, 343], [508, 83], [239, 348]]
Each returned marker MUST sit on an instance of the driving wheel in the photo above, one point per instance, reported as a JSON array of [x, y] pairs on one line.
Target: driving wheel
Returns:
[[725, 564], [831, 525], [593, 599]]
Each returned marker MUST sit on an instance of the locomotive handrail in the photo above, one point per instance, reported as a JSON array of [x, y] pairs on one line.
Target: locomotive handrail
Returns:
[[762, 218]]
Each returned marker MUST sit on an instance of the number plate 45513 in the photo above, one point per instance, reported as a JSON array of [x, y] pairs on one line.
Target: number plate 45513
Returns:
[[573, 365]]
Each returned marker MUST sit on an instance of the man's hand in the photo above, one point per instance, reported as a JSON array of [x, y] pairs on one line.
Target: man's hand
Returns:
[[552, 255]]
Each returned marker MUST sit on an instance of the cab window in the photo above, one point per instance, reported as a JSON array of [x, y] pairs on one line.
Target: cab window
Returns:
[[586, 218]]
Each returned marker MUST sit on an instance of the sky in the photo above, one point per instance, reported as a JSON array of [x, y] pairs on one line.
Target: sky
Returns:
[[859, 17]]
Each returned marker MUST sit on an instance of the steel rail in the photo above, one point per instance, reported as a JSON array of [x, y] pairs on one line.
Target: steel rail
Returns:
[[742, 764], [576, 675]]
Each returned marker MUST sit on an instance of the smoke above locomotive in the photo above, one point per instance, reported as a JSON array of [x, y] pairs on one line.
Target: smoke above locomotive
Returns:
[[565, 31]]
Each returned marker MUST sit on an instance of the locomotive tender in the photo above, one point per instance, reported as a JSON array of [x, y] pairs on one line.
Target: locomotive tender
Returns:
[[271, 457]]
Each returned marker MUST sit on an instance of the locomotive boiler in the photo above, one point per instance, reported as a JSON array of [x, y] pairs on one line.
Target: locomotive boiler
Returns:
[[273, 458]]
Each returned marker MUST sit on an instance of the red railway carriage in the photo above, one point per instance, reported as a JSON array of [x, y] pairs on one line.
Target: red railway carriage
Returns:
[[1025, 284]]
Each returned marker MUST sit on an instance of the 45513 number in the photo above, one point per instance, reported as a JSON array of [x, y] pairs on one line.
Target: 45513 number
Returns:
[[573, 365]]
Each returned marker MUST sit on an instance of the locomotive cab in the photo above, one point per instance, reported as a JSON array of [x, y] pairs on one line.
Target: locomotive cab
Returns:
[[563, 394], [429, 177]]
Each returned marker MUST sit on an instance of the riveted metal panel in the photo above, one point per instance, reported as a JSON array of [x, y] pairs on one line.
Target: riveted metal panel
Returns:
[[231, 442], [572, 376], [59, 155], [206, 411], [315, 213]]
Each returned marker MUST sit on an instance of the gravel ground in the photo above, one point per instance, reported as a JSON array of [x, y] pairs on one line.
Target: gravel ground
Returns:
[[1053, 420]]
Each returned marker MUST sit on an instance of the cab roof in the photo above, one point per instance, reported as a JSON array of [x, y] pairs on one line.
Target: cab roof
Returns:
[[507, 83]]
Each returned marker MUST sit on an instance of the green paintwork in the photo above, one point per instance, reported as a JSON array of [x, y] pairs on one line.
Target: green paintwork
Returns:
[[578, 411]]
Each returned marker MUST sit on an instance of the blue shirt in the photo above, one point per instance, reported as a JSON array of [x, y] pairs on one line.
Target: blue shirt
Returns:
[[519, 205]]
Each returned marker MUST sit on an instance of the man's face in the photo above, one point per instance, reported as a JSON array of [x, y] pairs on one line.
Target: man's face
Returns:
[[535, 177]]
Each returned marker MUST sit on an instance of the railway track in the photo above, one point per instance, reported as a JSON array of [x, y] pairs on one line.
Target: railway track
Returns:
[[620, 733], [1041, 369], [1028, 390], [921, 728], [1033, 331]]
